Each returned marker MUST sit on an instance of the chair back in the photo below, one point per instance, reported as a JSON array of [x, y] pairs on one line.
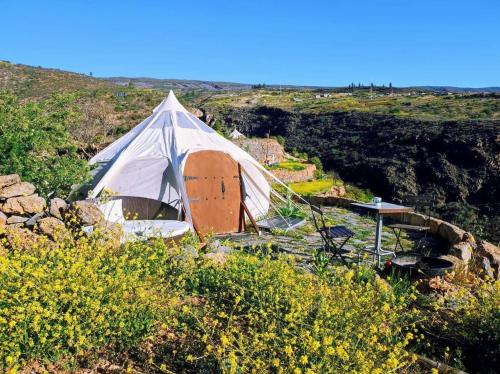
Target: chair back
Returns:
[[423, 204], [318, 218]]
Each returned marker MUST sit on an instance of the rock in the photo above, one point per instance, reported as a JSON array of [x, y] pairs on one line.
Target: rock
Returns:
[[3, 222], [336, 191], [58, 207], [462, 250], [86, 213], [107, 234], [197, 112], [20, 239], [9, 180], [434, 224], [485, 268], [18, 189], [24, 205], [34, 219], [468, 237], [16, 219], [224, 249], [52, 228], [451, 233], [218, 258], [492, 253], [417, 219], [457, 263]]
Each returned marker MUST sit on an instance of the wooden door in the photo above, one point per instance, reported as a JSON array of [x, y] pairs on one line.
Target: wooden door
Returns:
[[212, 181]]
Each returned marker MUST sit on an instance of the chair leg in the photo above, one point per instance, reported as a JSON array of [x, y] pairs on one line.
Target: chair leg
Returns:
[[397, 234]]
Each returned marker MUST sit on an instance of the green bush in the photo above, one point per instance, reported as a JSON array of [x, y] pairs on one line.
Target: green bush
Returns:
[[263, 315], [62, 302], [35, 143]]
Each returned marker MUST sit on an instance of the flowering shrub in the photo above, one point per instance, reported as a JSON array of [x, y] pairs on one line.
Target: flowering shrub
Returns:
[[173, 310], [265, 315], [63, 301], [465, 324]]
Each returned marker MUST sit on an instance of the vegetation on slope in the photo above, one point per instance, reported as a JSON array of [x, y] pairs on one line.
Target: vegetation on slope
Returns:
[[35, 143], [152, 307], [36, 82], [422, 105]]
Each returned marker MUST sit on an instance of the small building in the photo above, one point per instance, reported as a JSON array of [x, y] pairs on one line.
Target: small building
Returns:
[[236, 135]]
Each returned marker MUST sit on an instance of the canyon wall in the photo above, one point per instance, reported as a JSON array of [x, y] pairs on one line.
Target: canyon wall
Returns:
[[458, 161]]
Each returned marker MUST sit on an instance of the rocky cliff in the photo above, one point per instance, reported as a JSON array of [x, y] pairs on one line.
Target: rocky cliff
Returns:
[[458, 161]]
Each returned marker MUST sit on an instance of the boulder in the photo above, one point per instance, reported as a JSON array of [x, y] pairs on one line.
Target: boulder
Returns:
[[24, 205], [16, 219], [217, 258], [468, 237], [492, 253], [417, 219], [434, 224], [18, 189], [336, 191], [462, 250], [107, 234], [485, 268], [197, 112], [20, 239], [451, 233], [58, 207], [34, 219], [457, 263], [86, 213], [3, 222], [52, 228], [9, 180]]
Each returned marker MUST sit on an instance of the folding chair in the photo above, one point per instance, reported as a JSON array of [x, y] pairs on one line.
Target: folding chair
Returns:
[[330, 234], [422, 203]]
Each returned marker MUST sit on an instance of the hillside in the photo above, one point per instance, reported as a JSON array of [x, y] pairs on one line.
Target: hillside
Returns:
[[396, 102], [31, 82]]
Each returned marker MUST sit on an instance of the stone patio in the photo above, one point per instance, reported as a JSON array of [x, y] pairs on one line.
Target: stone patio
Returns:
[[304, 241]]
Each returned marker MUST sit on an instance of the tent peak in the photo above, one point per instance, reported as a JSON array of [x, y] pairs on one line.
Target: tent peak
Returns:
[[170, 103]]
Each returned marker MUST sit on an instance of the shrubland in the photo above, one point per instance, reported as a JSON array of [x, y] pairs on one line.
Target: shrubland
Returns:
[[67, 303], [35, 142], [157, 307]]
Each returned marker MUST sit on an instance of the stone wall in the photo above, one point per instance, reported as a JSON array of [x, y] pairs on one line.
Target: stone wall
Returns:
[[481, 256], [263, 150], [26, 218], [291, 176]]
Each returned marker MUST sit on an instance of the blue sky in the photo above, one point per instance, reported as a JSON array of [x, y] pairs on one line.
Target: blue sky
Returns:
[[425, 42]]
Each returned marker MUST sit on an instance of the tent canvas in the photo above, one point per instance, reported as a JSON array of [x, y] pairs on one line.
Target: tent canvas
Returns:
[[148, 162]]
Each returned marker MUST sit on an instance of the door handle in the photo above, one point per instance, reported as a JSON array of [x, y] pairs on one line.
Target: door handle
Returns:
[[222, 187]]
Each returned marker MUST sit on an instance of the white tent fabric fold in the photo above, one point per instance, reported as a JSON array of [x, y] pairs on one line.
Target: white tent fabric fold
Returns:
[[148, 161]]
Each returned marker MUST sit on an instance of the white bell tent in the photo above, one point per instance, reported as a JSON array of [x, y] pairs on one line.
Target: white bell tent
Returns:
[[174, 158]]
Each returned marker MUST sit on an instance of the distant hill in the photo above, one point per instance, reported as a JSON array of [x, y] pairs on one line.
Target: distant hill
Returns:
[[200, 85], [177, 84], [29, 81], [459, 89]]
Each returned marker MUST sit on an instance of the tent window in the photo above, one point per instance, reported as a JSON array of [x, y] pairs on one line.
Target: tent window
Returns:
[[184, 121]]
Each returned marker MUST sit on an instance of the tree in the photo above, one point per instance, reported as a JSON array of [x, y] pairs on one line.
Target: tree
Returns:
[[94, 125], [35, 142]]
